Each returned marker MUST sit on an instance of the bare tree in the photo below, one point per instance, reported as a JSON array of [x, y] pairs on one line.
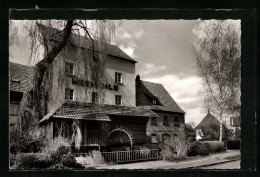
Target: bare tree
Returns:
[[41, 35], [217, 54]]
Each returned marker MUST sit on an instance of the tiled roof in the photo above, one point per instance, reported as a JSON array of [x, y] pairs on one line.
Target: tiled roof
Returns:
[[165, 99], [89, 111], [208, 119], [84, 42], [20, 77]]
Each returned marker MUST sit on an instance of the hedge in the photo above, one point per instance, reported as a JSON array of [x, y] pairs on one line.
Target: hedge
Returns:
[[59, 158], [198, 148], [206, 147], [32, 160], [215, 146]]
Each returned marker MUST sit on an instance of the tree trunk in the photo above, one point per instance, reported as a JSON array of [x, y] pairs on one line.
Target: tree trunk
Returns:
[[220, 131]]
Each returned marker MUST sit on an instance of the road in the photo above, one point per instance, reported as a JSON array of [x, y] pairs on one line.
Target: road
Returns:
[[227, 165]]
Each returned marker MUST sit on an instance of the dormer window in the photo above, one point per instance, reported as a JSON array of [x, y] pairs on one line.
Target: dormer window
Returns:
[[69, 95], [118, 77], [155, 102], [69, 68]]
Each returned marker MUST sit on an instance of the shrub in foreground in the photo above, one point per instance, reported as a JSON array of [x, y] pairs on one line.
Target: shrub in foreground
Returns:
[[56, 154], [25, 143], [43, 161], [32, 160]]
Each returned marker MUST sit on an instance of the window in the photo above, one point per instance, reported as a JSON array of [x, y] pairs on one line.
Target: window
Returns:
[[116, 87], [118, 100], [94, 97], [154, 102], [69, 68], [153, 121], [165, 120], [69, 94], [231, 121], [166, 138], [176, 119], [118, 77], [175, 135], [153, 138]]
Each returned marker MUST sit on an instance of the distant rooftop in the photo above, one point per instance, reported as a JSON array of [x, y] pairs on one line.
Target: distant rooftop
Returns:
[[208, 119]]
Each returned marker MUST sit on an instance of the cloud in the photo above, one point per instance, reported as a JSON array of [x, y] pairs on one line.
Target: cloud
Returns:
[[139, 33], [126, 35], [184, 90], [128, 50], [150, 68]]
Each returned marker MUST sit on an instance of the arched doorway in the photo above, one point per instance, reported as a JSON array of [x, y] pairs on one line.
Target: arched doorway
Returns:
[[120, 137]]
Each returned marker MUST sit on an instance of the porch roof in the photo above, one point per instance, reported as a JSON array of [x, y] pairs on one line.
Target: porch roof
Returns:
[[90, 111]]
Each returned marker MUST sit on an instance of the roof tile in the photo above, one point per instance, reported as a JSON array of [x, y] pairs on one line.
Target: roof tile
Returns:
[[20, 77]]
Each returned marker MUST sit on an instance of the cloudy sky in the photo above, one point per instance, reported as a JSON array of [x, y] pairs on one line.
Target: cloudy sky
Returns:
[[163, 50]]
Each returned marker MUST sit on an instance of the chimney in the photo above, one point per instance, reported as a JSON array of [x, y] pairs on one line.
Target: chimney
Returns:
[[138, 78]]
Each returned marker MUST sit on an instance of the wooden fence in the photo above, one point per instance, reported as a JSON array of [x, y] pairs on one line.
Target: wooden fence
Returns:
[[116, 156]]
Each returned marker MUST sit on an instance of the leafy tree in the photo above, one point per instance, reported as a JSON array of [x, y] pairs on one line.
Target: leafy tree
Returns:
[[217, 53], [210, 131]]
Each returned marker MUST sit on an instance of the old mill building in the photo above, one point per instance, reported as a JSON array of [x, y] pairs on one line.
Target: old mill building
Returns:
[[132, 111]]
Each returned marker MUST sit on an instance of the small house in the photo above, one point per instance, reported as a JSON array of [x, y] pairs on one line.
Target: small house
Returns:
[[170, 122], [209, 127]]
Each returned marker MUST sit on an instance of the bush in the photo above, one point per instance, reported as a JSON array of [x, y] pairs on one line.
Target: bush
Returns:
[[198, 148], [233, 144], [67, 161], [59, 153], [32, 160], [12, 159], [56, 154], [215, 146], [53, 146], [174, 149], [43, 161], [21, 143]]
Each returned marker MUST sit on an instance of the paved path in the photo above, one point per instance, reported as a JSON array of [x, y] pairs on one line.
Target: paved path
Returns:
[[227, 156], [227, 165]]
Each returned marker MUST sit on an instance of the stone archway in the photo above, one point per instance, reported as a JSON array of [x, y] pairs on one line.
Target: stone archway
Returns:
[[126, 133]]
